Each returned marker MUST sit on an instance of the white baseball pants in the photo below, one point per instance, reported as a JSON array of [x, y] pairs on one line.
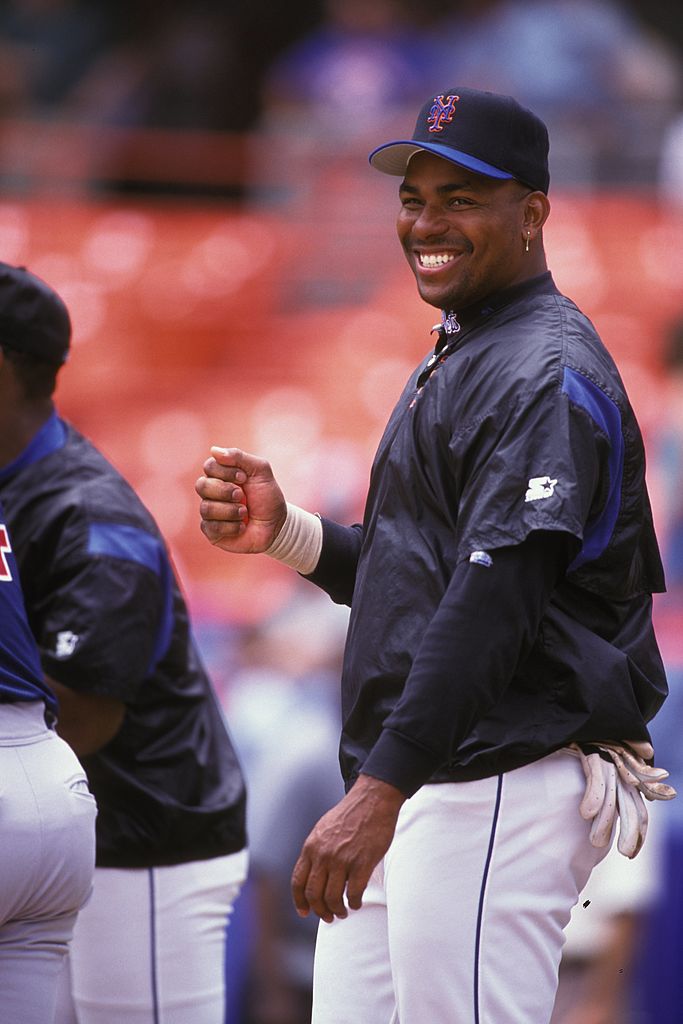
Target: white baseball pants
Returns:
[[47, 857], [150, 946], [462, 922]]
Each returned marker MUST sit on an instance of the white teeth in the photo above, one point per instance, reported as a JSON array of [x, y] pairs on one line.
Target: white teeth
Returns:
[[429, 260]]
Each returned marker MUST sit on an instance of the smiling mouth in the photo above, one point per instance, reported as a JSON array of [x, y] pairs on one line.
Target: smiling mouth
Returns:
[[432, 260]]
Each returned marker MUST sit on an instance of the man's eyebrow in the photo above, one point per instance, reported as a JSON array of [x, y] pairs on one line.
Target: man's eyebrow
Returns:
[[464, 186]]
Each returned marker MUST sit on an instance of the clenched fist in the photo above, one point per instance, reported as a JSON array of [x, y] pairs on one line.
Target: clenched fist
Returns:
[[242, 508]]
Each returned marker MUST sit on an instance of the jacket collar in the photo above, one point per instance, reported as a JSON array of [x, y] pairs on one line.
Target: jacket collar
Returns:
[[50, 437], [455, 323]]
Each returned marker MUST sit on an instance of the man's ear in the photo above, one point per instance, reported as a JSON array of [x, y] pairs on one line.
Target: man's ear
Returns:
[[536, 211]]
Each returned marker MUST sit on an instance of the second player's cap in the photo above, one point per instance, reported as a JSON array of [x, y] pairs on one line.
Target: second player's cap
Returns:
[[33, 318], [491, 134]]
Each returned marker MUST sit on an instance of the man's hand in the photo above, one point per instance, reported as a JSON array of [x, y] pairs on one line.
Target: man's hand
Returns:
[[242, 508], [343, 849]]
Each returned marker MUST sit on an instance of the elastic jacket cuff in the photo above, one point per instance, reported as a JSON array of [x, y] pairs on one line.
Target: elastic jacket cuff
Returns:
[[400, 762]]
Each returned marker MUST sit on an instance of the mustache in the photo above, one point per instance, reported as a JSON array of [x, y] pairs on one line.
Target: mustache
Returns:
[[443, 242]]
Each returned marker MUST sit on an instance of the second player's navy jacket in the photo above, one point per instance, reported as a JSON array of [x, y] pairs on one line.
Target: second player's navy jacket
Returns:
[[519, 424], [109, 618]]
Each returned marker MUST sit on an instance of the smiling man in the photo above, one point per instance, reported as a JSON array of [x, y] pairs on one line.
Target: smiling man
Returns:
[[500, 589]]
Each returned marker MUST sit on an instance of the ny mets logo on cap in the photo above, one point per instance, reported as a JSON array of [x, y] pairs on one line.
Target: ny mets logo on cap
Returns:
[[441, 113]]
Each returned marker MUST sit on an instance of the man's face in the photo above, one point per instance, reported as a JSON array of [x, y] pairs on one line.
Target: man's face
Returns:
[[462, 233]]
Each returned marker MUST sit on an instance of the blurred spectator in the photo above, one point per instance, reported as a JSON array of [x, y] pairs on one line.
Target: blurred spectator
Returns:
[[284, 716], [369, 57], [180, 69], [298, 782], [671, 164], [668, 464], [175, 64], [183, 70], [605, 936], [46, 47], [660, 989], [663, 15], [134, 67], [604, 84], [659, 995]]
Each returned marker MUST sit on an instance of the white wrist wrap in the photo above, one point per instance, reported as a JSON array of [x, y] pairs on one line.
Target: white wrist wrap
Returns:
[[299, 542]]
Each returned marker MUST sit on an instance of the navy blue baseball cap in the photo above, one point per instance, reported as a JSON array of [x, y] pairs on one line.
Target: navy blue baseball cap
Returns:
[[33, 318], [491, 134]]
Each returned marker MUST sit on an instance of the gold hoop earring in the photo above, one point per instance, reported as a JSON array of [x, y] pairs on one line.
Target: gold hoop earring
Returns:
[[526, 242]]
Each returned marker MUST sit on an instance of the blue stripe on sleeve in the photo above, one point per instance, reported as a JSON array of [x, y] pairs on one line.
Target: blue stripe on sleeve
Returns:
[[132, 544], [607, 418]]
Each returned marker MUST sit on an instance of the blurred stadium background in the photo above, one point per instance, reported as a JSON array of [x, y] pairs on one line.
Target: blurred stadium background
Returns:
[[193, 179]]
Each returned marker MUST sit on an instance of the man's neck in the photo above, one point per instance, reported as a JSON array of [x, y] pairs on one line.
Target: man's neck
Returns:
[[463, 316], [18, 427]]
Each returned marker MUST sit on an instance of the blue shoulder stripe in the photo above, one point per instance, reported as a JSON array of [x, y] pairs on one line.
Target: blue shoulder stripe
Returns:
[[130, 543], [607, 418]]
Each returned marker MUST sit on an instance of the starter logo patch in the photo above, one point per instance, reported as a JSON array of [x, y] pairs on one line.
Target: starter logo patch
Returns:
[[66, 643], [540, 487]]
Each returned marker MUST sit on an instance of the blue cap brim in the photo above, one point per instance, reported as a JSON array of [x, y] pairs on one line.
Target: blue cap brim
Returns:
[[393, 157]]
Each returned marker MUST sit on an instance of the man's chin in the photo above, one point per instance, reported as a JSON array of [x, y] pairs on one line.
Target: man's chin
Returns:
[[437, 297]]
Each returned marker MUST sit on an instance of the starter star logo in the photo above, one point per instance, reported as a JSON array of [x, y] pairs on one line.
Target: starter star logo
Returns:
[[540, 487], [66, 643]]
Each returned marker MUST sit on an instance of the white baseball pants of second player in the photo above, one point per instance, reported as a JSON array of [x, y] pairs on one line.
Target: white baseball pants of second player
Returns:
[[47, 827], [150, 945], [462, 922]]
